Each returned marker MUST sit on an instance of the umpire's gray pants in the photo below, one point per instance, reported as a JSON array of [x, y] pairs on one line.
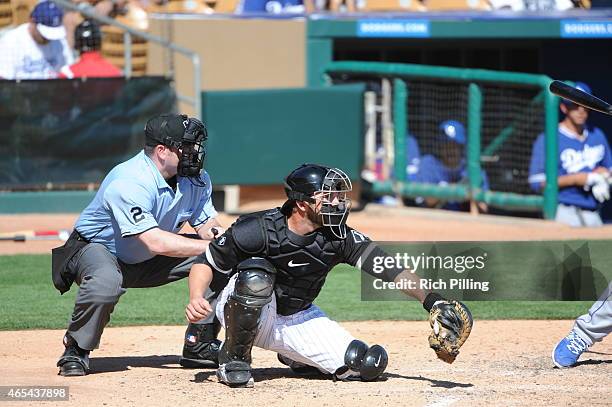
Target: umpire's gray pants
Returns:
[[597, 323], [103, 279]]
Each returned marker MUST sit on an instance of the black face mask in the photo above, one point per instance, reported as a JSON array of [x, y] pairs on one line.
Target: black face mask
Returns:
[[192, 149]]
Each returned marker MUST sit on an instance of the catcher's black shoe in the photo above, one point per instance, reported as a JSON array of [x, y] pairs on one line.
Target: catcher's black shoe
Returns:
[[74, 361], [235, 374], [301, 368], [201, 349]]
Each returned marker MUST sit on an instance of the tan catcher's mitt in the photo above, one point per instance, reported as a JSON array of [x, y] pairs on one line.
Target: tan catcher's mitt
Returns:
[[451, 322]]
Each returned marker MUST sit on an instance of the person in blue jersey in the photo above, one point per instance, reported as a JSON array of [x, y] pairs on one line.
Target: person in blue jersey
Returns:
[[413, 156], [128, 237], [446, 166], [583, 170]]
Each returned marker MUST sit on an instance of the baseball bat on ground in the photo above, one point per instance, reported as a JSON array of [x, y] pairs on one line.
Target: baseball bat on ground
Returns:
[[579, 97], [26, 235]]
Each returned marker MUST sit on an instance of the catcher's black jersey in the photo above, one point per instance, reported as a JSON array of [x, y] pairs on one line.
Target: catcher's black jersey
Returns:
[[302, 262]]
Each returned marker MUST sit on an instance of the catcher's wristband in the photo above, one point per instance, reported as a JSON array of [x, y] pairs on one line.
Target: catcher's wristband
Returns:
[[430, 300]]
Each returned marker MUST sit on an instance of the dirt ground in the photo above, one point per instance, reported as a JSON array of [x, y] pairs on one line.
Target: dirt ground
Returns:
[[503, 363]]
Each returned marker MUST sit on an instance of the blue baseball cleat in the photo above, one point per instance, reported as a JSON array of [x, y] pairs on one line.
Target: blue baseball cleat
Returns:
[[568, 350]]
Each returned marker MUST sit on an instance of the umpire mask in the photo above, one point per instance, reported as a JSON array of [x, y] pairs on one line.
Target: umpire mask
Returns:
[[330, 186], [192, 149], [184, 133]]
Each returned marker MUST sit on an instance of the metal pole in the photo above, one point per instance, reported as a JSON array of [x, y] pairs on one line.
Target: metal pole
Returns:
[[88, 11], [127, 54], [197, 85], [551, 107], [473, 143], [400, 97]]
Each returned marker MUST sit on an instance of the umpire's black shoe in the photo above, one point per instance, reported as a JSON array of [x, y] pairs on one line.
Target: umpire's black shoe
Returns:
[[201, 349], [74, 361]]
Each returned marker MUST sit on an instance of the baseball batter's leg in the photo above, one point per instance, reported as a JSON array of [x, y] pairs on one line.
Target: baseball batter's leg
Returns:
[[253, 289], [588, 329], [100, 287], [597, 323]]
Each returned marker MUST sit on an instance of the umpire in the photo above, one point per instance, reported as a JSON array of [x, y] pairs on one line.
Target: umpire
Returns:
[[127, 237]]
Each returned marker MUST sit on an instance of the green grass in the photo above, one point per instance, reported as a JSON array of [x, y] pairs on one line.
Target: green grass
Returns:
[[28, 300]]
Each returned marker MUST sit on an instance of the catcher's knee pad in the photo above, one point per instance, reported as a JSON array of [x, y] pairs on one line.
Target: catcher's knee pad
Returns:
[[253, 289], [255, 282], [369, 362]]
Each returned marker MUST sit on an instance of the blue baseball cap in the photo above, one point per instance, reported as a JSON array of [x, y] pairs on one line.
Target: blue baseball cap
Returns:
[[49, 20], [452, 130], [578, 85]]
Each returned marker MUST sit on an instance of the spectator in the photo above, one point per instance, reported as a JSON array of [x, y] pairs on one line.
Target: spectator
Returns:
[[583, 170], [446, 166], [109, 8], [88, 42], [270, 6], [37, 49]]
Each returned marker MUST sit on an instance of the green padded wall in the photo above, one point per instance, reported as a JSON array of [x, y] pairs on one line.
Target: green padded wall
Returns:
[[256, 137]]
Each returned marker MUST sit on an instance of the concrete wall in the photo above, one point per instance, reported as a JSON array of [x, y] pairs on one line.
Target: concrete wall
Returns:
[[235, 53]]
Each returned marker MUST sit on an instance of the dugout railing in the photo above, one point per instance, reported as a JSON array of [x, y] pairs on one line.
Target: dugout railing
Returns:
[[503, 113]]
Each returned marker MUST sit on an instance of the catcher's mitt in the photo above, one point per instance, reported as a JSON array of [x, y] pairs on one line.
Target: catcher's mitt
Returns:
[[451, 322]]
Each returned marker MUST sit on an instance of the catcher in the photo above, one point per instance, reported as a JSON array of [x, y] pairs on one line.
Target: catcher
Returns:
[[278, 261]]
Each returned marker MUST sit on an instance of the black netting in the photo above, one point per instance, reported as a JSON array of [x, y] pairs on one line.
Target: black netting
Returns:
[[512, 117], [515, 116]]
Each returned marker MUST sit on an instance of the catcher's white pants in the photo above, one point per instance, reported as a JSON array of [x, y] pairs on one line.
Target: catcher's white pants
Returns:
[[308, 336]]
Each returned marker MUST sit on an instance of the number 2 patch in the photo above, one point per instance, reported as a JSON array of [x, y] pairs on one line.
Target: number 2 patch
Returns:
[[137, 214]]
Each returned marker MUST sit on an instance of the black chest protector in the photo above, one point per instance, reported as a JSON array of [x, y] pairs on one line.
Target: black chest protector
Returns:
[[302, 262]]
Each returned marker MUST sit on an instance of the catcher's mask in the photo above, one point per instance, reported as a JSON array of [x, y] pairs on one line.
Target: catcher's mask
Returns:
[[187, 134], [330, 186]]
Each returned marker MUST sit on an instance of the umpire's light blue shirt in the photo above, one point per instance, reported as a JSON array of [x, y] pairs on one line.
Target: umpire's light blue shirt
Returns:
[[133, 198]]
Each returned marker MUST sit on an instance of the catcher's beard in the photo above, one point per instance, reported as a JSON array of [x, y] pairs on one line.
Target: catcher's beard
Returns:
[[314, 217]]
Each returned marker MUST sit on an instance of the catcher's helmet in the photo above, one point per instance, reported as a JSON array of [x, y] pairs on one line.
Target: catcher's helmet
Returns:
[[331, 185], [87, 37]]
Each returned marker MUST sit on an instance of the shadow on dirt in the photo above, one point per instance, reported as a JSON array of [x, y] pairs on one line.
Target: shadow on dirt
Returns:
[[260, 375], [121, 363], [434, 383], [593, 362]]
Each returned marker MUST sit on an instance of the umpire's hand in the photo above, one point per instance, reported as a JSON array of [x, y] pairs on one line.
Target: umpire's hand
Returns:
[[197, 309]]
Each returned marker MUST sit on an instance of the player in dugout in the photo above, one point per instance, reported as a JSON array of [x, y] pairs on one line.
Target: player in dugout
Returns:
[[584, 166], [446, 165]]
